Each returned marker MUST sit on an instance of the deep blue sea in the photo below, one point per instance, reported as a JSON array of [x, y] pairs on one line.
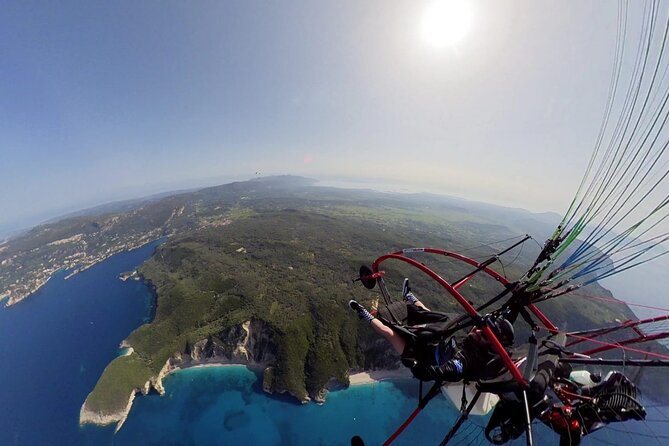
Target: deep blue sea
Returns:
[[56, 344]]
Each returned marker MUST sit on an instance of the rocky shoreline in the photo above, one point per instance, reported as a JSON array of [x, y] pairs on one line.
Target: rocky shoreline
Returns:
[[202, 354], [81, 261], [87, 416]]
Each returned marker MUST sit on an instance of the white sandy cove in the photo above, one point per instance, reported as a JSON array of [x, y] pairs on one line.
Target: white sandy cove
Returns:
[[378, 375], [119, 417], [354, 379]]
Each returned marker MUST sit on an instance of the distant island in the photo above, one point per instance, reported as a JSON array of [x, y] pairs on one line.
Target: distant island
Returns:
[[258, 273]]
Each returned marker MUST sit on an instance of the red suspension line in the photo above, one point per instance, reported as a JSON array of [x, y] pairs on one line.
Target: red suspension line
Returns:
[[618, 346]]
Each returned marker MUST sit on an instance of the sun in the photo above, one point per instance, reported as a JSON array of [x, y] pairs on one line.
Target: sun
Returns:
[[446, 22]]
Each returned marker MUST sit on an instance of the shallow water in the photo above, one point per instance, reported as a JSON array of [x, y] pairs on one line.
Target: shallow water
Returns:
[[225, 405]]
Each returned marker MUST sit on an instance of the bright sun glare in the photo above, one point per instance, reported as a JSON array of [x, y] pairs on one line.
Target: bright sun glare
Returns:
[[446, 22]]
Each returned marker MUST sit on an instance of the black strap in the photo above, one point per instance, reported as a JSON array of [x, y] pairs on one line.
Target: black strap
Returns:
[[464, 414]]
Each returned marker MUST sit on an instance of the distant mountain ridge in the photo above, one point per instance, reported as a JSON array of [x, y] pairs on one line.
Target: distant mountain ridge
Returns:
[[86, 237]]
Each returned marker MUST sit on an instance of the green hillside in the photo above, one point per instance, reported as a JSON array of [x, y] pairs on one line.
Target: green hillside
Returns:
[[291, 269]]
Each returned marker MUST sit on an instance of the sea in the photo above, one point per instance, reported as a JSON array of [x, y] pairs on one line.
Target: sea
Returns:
[[55, 345]]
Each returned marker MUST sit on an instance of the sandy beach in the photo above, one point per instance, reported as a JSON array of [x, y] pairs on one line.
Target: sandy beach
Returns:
[[211, 363], [207, 364], [88, 416], [354, 379], [378, 375]]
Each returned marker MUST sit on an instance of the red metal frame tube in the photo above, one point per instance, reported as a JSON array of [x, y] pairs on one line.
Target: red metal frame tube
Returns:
[[581, 336], [404, 425], [471, 311], [636, 340], [542, 317], [622, 347]]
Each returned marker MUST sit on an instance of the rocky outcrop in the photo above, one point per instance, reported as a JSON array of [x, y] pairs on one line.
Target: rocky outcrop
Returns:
[[320, 396], [269, 385], [268, 380], [251, 343], [87, 416], [157, 383]]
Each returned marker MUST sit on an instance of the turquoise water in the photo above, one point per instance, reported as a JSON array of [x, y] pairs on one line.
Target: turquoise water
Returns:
[[56, 344], [224, 405]]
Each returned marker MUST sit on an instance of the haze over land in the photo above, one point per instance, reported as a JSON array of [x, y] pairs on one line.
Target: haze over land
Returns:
[[109, 101]]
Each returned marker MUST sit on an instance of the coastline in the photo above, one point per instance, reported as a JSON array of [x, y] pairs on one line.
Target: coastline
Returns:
[[11, 298], [88, 416], [355, 379], [208, 364], [98, 419], [374, 376], [240, 357]]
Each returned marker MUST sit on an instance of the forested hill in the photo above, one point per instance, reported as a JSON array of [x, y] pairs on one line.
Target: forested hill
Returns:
[[76, 243]]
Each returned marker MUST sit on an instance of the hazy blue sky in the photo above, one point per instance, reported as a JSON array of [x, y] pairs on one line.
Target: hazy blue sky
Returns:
[[108, 100]]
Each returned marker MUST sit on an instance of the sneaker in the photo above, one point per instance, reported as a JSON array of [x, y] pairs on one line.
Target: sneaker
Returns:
[[362, 312], [406, 289], [407, 294]]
